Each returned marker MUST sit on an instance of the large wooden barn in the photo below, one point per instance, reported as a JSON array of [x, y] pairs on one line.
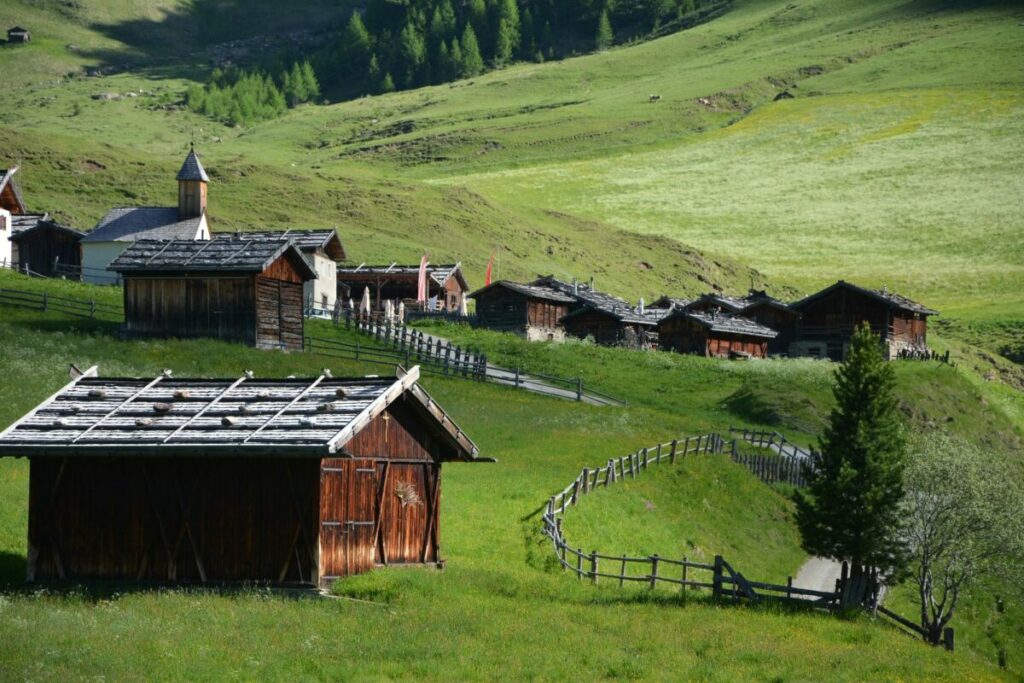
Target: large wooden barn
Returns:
[[532, 311], [446, 285], [217, 481], [714, 334], [829, 317], [49, 249], [233, 289]]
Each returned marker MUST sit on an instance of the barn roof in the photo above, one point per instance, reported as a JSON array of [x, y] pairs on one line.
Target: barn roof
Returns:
[[26, 221], [7, 182], [220, 255], [127, 224], [17, 29], [438, 273], [884, 296], [314, 417], [582, 293], [670, 302], [626, 314], [45, 224], [728, 323], [192, 169], [529, 291], [726, 303], [308, 239]]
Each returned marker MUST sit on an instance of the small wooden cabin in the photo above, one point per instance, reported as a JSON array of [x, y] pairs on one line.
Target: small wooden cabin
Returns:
[[323, 249], [714, 334], [829, 318], [17, 35], [531, 311], [774, 314], [446, 285], [241, 290], [614, 326], [219, 481], [49, 249]]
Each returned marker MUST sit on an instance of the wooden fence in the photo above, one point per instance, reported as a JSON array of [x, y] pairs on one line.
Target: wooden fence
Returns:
[[718, 576], [453, 363], [44, 301]]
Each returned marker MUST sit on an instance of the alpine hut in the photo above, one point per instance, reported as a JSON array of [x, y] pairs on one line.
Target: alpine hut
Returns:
[[829, 317], [714, 334], [532, 311], [242, 290], [214, 481], [323, 250], [446, 285], [608, 319], [124, 225], [48, 249], [17, 35], [775, 314]]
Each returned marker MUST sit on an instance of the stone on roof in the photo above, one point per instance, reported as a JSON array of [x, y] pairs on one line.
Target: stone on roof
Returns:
[[217, 255], [26, 221], [193, 169], [128, 224], [306, 239], [724, 302], [727, 323], [165, 416]]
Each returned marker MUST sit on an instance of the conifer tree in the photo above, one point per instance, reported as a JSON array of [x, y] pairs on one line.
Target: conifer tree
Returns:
[[472, 63], [310, 84], [852, 510], [412, 52], [355, 45], [604, 37], [508, 34], [387, 84]]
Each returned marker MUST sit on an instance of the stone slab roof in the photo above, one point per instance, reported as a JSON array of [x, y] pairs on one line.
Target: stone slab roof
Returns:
[[890, 298], [218, 255], [192, 169], [127, 224], [307, 239], [529, 291]]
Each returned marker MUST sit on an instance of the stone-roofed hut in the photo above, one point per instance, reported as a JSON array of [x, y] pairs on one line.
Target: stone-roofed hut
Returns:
[[242, 290], [829, 317], [323, 250], [532, 311], [212, 481], [49, 249], [124, 225], [714, 334], [446, 284], [17, 35]]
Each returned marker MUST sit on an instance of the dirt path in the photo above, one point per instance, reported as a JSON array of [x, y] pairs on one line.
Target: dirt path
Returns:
[[819, 574]]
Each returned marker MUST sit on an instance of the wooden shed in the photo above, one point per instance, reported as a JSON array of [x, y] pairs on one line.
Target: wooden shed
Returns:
[[323, 250], [532, 311], [829, 317], [49, 249], [446, 285], [615, 325], [772, 313], [234, 289], [17, 35], [296, 481], [714, 334]]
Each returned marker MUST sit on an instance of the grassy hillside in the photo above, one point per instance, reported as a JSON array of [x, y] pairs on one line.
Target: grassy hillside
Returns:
[[498, 597]]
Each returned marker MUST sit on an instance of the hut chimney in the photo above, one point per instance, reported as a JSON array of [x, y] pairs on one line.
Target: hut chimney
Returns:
[[640, 306], [575, 287], [591, 283]]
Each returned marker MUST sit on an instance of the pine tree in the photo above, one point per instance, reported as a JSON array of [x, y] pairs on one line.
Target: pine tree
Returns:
[[311, 85], [387, 84], [412, 52], [476, 16], [355, 45], [455, 60], [508, 34], [604, 37], [472, 63], [852, 512]]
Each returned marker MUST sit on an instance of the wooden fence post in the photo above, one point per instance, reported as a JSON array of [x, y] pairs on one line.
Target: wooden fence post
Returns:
[[654, 571], [575, 492], [579, 388], [593, 567], [947, 638], [657, 457], [579, 563], [682, 586], [716, 582], [672, 453], [645, 452], [586, 480], [622, 572]]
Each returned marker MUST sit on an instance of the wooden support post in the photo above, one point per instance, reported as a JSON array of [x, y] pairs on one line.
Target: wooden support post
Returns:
[[593, 567], [575, 492], [789, 586], [682, 586], [672, 453], [622, 572], [579, 563], [579, 388], [947, 638], [657, 457], [716, 581], [585, 476], [646, 453], [654, 571]]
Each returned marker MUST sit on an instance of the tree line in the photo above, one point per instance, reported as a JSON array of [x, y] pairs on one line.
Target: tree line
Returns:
[[238, 97]]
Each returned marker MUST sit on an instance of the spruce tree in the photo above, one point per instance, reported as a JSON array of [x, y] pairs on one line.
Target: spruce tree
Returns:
[[508, 35], [851, 509], [412, 52], [355, 45], [310, 84], [387, 84], [472, 63], [604, 37]]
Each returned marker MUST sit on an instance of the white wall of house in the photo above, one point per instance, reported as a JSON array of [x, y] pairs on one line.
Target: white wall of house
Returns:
[[5, 238], [96, 256], [323, 291]]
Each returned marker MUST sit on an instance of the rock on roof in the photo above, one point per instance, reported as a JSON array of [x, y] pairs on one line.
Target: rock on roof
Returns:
[[45, 224], [529, 291], [626, 314], [308, 239], [890, 298], [726, 323], [128, 224], [217, 255], [726, 303], [26, 221], [192, 169], [438, 273], [165, 416]]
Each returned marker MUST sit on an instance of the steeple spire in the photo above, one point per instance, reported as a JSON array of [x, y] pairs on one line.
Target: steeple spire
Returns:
[[192, 181]]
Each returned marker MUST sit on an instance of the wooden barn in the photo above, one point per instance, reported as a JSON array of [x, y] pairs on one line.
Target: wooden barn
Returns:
[[323, 250], [17, 35], [242, 290], [774, 314], [714, 334], [217, 481], [615, 325], [49, 249], [446, 285], [829, 317], [531, 311]]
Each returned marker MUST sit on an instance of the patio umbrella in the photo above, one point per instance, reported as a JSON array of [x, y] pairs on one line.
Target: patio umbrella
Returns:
[[401, 311], [364, 305]]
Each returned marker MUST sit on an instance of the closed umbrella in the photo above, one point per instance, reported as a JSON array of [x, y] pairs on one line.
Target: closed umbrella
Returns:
[[364, 305], [463, 308], [401, 311]]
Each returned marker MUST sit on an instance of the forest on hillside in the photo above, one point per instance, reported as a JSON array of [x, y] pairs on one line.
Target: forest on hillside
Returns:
[[403, 44]]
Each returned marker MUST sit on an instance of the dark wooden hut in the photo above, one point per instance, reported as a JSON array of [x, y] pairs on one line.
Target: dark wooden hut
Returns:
[[714, 334], [774, 314], [532, 311], [217, 481], [615, 325], [234, 289], [17, 35], [446, 284], [829, 317], [49, 249]]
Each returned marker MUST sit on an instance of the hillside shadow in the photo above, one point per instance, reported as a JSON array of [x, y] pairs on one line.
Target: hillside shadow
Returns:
[[12, 571]]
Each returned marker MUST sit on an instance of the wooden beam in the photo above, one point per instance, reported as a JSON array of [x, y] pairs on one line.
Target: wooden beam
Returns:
[[91, 372], [295, 400], [375, 408], [128, 400], [205, 408]]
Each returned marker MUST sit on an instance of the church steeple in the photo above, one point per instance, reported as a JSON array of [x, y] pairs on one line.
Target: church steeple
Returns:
[[192, 180]]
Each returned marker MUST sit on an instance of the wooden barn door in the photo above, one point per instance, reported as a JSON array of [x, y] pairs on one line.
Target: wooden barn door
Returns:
[[348, 517]]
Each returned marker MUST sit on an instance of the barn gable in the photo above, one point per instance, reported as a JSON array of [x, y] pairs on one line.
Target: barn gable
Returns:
[[10, 195]]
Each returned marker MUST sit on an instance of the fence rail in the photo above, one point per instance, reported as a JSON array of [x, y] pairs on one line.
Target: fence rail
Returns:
[[44, 301], [455, 366]]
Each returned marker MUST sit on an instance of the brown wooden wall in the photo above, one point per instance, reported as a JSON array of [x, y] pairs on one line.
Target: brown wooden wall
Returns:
[[279, 319], [218, 307], [909, 328], [174, 519], [505, 310], [602, 327], [682, 335], [722, 345], [782, 321], [9, 200], [40, 248]]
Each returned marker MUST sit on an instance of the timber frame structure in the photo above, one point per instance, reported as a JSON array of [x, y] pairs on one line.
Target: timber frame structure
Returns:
[[282, 482]]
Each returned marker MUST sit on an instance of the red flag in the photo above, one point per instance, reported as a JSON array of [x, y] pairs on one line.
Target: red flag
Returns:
[[421, 285], [490, 268]]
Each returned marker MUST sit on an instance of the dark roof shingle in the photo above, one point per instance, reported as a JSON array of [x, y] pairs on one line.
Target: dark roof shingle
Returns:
[[192, 169], [309, 239], [127, 224], [530, 291], [217, 255]]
